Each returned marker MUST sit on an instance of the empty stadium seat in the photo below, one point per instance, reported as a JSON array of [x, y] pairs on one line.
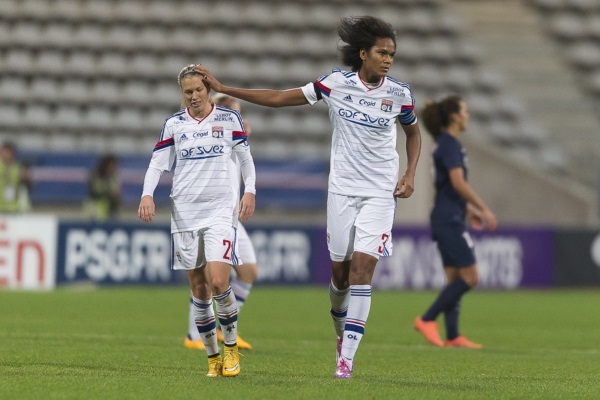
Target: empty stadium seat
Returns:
[[10, 117], [43, 89], [13, 89], [68, 117], [36, 116]]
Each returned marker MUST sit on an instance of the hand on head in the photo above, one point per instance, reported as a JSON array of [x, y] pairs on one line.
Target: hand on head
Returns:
[[208, 78]]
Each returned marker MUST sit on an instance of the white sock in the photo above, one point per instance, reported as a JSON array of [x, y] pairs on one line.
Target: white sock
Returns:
[[227, 312], [241, 290], [339, 307], [192, 329], [358, 312], [204, 318]]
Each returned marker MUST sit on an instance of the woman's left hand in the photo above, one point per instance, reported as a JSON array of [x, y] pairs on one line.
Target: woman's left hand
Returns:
[[247, 206]]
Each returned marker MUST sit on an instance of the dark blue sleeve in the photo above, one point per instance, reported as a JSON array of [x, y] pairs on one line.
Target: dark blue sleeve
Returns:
[[450, 154]]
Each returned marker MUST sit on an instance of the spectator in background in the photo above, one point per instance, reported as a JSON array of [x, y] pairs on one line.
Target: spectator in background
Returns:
[[364, 181], [15, 182], [246, 273], [456, 205], [104, 189]]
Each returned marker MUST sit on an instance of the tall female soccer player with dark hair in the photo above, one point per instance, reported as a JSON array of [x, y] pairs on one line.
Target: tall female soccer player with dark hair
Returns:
[[364, 179], [202, 138], [456, 204]]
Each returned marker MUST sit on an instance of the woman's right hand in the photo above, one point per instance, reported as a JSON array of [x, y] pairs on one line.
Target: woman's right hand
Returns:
[[208, 78], [146, 209], [490, 219]]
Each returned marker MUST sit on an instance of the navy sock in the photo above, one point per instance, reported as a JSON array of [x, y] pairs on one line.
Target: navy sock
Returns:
[[449, 296], [451, 319]]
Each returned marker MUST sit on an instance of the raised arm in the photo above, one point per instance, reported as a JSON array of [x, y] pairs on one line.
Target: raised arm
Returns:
[[263, 97]]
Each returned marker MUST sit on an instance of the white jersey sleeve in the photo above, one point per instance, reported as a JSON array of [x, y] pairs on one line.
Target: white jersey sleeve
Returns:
[[246, 163], [163, 157], [311, 93], [151, 181]]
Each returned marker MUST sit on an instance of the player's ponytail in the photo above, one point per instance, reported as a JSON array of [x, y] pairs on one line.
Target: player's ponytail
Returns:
[[436, 116]]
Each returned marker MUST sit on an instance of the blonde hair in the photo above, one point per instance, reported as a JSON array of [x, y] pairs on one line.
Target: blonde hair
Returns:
[[187, 70]]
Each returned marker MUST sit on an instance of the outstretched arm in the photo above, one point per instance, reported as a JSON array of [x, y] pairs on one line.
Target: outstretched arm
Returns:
[[263, 97]]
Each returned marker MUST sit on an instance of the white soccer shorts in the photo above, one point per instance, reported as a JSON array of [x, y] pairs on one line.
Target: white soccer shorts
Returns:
[[245, 248], [196, 248], [362, 224]]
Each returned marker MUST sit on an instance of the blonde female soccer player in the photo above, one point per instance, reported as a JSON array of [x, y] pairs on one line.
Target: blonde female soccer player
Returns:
[[246, 273], [202, 138]]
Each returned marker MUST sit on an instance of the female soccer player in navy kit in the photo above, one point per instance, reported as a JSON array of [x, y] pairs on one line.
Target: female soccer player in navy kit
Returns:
[[364, 179], [456, 204], [202, 138]]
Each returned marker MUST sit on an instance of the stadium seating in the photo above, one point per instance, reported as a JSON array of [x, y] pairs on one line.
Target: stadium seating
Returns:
[[104, 69]]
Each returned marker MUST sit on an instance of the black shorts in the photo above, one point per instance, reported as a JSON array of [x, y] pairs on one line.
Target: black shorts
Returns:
[[455, 245]]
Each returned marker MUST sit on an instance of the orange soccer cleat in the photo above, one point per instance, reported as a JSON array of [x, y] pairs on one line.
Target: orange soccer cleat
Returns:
[[462, 341], [430, 331]]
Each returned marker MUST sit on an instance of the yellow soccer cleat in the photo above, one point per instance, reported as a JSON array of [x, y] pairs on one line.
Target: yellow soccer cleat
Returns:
[[193, 344], [231, 361], [242, 344], [215, 366]]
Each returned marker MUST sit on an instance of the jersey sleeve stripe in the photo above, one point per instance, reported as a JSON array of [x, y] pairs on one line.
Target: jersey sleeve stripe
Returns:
[[164, 143], [323, 89], [239, 135], [407, 118]]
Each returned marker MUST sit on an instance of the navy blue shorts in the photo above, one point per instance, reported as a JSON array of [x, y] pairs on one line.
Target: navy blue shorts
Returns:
[[455, 245]]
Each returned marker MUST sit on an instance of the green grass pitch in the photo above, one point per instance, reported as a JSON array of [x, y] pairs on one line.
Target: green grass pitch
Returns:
[[126, 343]]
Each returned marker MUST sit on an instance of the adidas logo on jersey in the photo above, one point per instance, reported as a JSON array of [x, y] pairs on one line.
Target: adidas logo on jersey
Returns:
[[348, 98], [183, 137]]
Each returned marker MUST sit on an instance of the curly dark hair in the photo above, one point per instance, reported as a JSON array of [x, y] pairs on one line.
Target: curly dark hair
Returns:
[[361, 33]]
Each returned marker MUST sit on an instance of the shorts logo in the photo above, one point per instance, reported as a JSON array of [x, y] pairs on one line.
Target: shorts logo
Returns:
[[386, 105], [217, 131], [178, 255]]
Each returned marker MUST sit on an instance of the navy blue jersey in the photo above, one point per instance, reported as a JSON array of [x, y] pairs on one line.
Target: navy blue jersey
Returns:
[[449, 206]]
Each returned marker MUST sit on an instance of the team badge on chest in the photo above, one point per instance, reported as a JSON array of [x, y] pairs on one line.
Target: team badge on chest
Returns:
[[217, 131], [386, 105]]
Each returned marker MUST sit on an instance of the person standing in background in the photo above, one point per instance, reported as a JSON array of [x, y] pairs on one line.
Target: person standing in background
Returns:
[[199, 141], [15, 182], [104, 190], [456, 205], [364, 180], [246, 273]]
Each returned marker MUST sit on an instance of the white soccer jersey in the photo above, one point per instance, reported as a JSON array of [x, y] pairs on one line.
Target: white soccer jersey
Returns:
[[364, 161], [202, 194]]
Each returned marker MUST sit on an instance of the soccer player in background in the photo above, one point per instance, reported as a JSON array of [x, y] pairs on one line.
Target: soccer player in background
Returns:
[[456, 204], [364, 179], [246, 273], [201, 138]]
